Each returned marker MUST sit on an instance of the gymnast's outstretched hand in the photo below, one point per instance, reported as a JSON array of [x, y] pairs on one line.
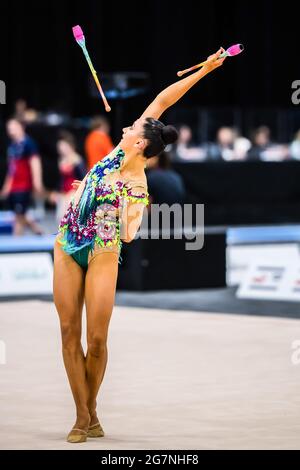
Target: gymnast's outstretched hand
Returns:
[[214, 61]]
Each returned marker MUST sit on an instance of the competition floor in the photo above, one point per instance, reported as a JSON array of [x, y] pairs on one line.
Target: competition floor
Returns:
[[174, 380]]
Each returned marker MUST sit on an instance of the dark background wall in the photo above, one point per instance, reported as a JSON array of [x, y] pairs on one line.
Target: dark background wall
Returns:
[[41, 61]]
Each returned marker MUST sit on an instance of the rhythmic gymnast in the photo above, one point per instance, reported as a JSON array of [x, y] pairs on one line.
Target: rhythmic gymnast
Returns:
[[105, 211]]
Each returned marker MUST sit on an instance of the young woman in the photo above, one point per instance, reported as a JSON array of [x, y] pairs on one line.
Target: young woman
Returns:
[[71, 167], [106, 209]]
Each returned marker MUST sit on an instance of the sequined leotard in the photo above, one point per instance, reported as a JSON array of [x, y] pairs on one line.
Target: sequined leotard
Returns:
[[92, 221]]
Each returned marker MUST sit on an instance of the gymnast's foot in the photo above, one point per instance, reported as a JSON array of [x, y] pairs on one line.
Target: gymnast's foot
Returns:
[[95, 428], [79, 432]]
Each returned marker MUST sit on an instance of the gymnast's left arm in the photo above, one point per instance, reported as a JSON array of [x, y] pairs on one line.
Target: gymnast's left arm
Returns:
[[174, 92], [131, 219]]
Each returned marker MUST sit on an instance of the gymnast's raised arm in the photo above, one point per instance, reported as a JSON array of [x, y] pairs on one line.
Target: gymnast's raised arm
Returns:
[[174, 92]]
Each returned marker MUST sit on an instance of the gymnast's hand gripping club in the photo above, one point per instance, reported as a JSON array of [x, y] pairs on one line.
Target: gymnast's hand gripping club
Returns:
[[78, 35], [230, 52]]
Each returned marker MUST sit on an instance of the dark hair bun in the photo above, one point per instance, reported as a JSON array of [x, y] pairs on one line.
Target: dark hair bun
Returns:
[[169, 135]]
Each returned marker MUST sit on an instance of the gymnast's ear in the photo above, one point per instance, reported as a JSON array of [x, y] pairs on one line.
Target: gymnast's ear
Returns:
[[141, 144]]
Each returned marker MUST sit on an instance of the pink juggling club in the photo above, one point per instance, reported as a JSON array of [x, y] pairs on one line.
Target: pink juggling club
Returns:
[[78, 35], [230, 52]]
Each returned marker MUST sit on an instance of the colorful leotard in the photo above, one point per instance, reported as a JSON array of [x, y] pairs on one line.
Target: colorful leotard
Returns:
[[93, 222]]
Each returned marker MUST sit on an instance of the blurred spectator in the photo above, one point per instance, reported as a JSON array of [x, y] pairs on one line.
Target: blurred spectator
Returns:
[[264, 149], [71, 167], [223, 148], [20, 108], [24, 176], [164, 184], [260, 142], [295, 147], [98, 142], [185, 150], [23, 113], [241, 146]]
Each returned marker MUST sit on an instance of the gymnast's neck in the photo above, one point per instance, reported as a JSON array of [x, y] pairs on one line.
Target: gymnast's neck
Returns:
[[133, 165]]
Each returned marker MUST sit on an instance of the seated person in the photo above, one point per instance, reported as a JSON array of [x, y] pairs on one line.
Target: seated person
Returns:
[[164, 184], [222, 149], [264, 149], [185, 150], [241, 147]]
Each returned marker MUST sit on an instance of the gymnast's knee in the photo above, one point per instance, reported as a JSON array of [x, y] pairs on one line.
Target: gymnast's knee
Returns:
[[97, 345], [70, 336]]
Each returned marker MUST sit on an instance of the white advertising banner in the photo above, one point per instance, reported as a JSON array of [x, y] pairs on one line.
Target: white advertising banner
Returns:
[[25, 274], [274, 275]]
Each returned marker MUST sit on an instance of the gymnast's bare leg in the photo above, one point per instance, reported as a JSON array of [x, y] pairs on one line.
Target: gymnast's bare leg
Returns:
[[100, 289], [68, 291]]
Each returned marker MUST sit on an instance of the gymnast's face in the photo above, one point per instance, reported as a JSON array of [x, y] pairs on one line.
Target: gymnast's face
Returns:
[[132, 137]]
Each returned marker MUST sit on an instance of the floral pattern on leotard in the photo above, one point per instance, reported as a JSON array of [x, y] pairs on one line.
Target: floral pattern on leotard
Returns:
[[96, 217]]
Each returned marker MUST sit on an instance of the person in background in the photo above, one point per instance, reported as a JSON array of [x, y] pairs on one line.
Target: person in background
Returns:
[[71, 167], [222, 149], [241, 147], [20, 109], [23, 113], [24, 176], [98, 143], [164, 184], [261, 141], [264, 149], [185, 150]]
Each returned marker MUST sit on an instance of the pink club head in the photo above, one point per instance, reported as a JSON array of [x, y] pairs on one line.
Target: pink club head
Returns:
[[78, 33], [235, 50]]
